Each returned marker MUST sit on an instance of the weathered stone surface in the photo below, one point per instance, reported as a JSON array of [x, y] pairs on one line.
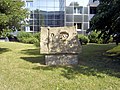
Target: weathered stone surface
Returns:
[[60, 45], [61, 59], [59, 40]]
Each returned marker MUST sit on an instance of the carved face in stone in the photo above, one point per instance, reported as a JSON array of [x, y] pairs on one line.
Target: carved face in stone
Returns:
[[64, 36]]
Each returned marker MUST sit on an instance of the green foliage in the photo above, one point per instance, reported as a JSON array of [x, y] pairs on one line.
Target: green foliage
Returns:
[[6, 33], [22, 34], [11, 14], [83, 39], [107, 19], [26, 37], [30, 40], [37, 36], [93, 37], [114, 51]]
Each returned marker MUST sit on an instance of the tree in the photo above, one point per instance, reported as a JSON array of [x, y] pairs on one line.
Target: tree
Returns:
[[107, 19], [11, 14]]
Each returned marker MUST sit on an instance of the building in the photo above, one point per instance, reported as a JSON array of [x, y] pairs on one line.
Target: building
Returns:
[[59, 13]]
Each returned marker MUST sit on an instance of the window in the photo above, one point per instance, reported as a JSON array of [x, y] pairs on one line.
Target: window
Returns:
[[92, 10], [78, 25], [78, 10], [29, 4], [78, 18], [31, 28], [69, 10], [85, 10], [85, 26], [69, 18], [86, 18]]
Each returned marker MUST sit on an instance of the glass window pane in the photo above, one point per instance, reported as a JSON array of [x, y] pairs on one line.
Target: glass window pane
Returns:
[[78, 18], [86, 18], [69, 24], [36, 22], [57, 22], [51, 22], [36, 16], [69, 18], [56, 9], [31, 22], [36, 28], [51, 16], [42, 3], [57, 16], [80, 10], [85, 26], [85, 10], [31, 28], [56, 4], [79, 26], [50, 9], [50, 3], [69, 10], [42, 22]]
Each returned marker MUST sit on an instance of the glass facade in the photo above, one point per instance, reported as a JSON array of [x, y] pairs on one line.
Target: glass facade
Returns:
[[58, 13], [45, 13]]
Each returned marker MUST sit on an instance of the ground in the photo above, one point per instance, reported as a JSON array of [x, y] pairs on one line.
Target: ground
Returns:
[[22, 68]]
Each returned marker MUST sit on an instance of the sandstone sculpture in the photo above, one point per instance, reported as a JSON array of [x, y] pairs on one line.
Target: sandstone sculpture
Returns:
[[60, 45]]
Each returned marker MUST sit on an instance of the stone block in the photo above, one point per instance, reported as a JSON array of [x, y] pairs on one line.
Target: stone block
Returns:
[[61, 59], [60, 45]]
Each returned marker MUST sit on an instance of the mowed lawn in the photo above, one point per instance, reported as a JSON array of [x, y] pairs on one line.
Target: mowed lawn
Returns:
[[22, 68]]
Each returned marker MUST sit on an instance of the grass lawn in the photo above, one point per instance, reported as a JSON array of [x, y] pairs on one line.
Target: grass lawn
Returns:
[[22, 68]]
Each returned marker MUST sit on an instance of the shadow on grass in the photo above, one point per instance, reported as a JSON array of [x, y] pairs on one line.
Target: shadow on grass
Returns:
[[31, 51], [40, 59], [92, 62], [37, 57], [3, 50]]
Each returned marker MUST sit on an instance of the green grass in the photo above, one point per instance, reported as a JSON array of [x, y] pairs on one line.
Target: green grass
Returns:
[[114, 51], [22, 68]]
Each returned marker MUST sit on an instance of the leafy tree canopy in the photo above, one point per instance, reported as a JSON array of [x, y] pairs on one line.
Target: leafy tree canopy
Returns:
[[11, 14], [107, 19]]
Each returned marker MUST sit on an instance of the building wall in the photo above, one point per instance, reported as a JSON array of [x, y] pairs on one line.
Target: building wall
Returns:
[[77, 15], [59, 13], [45, 13]]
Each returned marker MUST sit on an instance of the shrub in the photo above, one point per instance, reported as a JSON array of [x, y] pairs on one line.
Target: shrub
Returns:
[[93, 37], [30, 40], [26, 37], [83, 39], [37, 36], [23, 35]]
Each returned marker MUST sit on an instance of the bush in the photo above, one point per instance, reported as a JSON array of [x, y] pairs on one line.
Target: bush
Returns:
[[26, 37], [93, 37], [30, 40], [83, 39], [37, 36], [23, 35]]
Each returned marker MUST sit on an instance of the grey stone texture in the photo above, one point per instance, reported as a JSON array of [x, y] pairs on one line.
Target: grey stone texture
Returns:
[[62, 41], [61, 59]]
